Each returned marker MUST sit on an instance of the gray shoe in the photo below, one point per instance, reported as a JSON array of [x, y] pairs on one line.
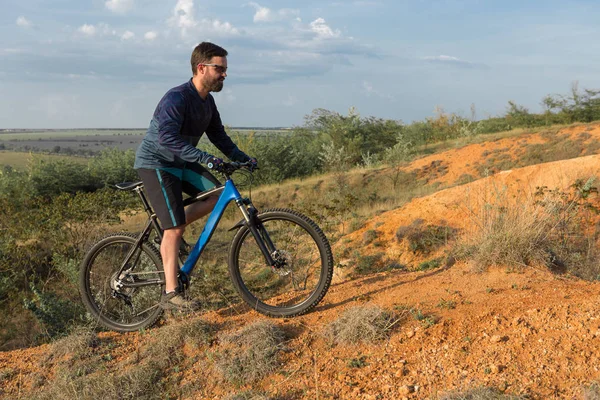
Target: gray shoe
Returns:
[[176, 301]]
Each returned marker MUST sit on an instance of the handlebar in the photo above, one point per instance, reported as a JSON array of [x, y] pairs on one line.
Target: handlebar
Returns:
[[230, 167]]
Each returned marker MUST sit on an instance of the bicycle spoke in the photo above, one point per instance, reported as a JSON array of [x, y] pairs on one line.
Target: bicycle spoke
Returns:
[[299, 255], [122, 300]]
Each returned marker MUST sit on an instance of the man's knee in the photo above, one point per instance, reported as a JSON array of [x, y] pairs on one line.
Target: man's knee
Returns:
[[174, 232], [212, 201]]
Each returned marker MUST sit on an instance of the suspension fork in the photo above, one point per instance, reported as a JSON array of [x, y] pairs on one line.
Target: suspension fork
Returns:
[[257, 229]]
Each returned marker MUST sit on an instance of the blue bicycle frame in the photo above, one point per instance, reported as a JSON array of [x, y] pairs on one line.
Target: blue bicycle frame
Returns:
[[229, 193]]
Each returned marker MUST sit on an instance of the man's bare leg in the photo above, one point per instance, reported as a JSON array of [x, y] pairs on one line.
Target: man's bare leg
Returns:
[[169, 247], [169, 250], [198, 210]]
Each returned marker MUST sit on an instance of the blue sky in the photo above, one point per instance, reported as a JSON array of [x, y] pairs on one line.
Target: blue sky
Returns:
[[106, 63]]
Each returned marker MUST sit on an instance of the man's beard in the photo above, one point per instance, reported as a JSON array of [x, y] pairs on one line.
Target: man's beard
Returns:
[[216, 86]]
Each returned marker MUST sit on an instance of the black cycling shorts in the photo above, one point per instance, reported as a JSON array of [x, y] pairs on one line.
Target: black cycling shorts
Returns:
[[165, 187]]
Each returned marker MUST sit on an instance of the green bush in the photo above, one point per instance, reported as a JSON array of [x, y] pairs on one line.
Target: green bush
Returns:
[[51, 178], [113, 166], [56, 315]]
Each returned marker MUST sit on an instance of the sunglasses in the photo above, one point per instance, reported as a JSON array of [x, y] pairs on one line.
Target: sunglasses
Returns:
[[220, 69]]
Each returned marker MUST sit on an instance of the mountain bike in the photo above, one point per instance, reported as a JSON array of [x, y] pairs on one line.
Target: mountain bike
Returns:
[[279, 261]]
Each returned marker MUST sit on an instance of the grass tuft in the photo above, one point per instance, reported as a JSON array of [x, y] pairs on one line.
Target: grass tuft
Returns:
[[250, 353], [592, 392], [551, 228], [424, 239], [481, 393], [362, 324]]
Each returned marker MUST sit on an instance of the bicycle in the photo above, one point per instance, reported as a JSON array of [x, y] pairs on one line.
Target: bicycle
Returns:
[[280, 261]]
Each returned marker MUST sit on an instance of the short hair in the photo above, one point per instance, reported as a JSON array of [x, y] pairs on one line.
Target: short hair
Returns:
[[204, 52]]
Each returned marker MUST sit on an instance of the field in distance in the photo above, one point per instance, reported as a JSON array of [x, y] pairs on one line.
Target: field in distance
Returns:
[[90, 140], [18, 160]]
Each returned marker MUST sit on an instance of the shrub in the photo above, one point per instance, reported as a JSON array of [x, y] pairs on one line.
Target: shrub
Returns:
[[482, 393], [250, 353], [548, 230], [51, 178], [79, 344], [166, 346], [368, 264], [113, 166], [56, 315], [425, 239], [369, 236], [430, 264], [248, 395], [362, 324], [592, 391]]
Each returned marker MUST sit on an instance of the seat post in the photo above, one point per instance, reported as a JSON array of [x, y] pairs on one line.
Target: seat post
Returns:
[[140, 191]]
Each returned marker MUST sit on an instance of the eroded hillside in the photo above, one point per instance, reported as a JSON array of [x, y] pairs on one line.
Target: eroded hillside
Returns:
[[521, 330]]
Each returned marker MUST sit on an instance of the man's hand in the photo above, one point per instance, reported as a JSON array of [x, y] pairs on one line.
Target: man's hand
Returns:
[[253, 163], [215, 164]]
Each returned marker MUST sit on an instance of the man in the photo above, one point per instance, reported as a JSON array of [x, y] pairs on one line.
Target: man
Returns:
[[167, 160]]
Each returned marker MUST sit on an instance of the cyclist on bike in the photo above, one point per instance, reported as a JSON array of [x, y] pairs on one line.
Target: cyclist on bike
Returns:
[[168, 161]]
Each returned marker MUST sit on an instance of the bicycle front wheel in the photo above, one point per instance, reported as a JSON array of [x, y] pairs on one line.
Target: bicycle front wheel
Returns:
[[128, 301], [304, 264]]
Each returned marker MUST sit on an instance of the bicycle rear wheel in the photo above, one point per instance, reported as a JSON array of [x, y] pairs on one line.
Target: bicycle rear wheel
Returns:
[[108, 297], [304, 264]]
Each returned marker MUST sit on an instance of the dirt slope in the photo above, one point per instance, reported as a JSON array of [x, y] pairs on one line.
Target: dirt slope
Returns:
[[521, 331]]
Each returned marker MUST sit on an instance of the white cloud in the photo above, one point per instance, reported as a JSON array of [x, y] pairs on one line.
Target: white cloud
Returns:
[[88, 30], [220, 27], [442, 58], [101, 29], [322, 30], [151, 35], [127, 35], [119, 6], [264, 14], [183, 19], [183, 16], [453, 61], [23, 22]]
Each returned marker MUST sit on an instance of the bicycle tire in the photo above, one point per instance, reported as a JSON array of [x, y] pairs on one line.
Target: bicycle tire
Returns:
[[96, 273], [308, 265]]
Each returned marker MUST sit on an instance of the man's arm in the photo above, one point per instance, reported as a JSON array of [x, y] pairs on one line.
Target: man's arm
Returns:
[[170, 120]]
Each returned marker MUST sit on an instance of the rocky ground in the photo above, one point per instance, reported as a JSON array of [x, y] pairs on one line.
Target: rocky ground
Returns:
[[522, 330]]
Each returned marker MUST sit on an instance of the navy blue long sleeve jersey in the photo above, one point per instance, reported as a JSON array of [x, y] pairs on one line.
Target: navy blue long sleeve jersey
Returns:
[[178, 123]]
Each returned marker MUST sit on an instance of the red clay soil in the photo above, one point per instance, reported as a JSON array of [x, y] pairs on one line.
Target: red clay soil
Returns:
[[469, 160], [459, 207], [523, 331]]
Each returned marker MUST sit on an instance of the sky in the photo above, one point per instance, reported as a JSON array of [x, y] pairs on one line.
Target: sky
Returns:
[[107, 63]]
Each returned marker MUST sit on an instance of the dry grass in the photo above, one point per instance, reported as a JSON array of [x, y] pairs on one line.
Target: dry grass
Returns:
[[549, 228], [84, 368], [250, 395], [362, 324], [592, 392], [133, 383], [250, 353], [482, 393], [79, 344]]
